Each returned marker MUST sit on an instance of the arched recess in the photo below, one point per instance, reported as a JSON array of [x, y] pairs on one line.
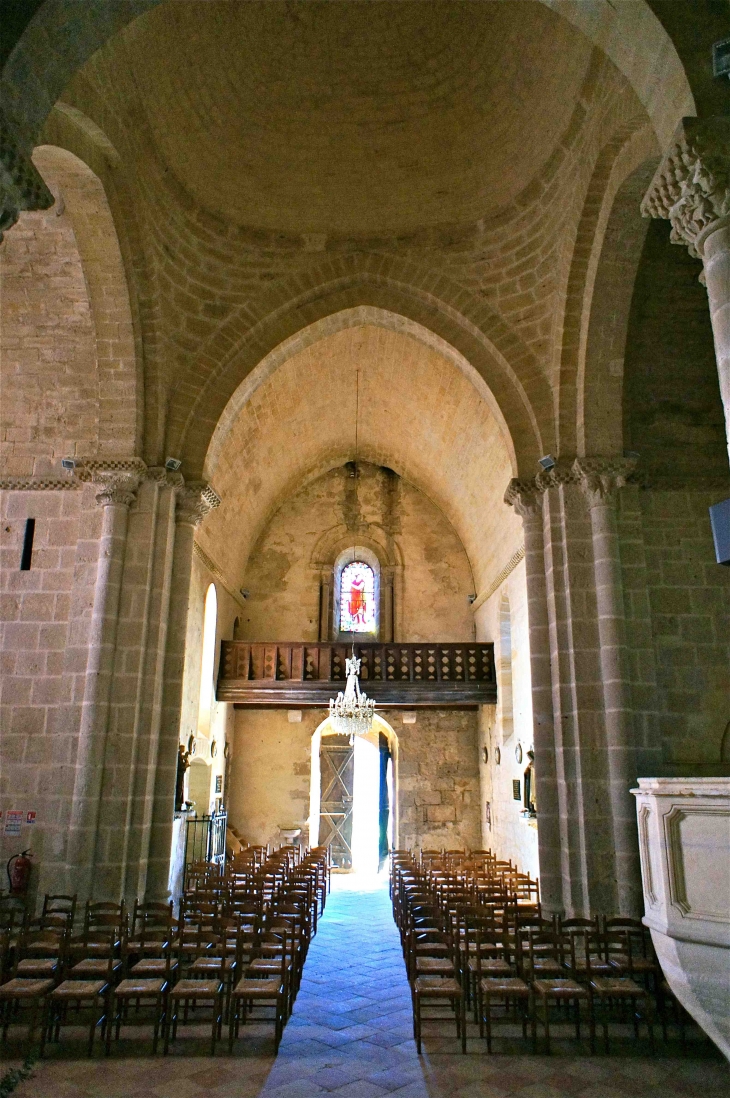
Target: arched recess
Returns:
[[606, 254], [80, 193], [380, 727], [509, 370], [420, 417], [383, 551], [345, 318], [70, 129]]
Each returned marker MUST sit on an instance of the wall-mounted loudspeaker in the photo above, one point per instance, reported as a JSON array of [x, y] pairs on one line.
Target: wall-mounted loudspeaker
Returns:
[[720, 522]]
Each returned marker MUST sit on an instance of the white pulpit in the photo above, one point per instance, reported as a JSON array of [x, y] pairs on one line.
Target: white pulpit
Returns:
[[684, 839]]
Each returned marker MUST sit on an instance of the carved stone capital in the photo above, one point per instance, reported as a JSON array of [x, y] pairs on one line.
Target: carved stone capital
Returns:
[[117, 479], [162, 476], [21, 186], [601, 477], [194, 502], [525, 497], [691, 186], [563, 472]]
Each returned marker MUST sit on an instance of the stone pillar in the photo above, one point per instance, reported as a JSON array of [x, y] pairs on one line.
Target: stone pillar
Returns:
[[116, 483], [600, 479], [522, 495], [691, 188], [194, 502]]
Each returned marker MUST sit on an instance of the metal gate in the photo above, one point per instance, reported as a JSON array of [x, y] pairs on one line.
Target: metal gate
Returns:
[[205, 839], [337, 774]]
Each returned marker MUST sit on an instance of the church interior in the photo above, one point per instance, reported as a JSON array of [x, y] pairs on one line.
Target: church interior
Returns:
[[364, 630]]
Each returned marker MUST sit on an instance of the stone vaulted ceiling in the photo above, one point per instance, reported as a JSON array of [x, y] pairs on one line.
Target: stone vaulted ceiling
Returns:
[[354, 118]]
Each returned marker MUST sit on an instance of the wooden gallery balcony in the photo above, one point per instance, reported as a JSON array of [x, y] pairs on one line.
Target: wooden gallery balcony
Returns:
[[406, 676]]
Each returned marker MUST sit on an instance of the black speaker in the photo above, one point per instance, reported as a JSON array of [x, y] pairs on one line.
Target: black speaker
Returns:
[[720, 522]]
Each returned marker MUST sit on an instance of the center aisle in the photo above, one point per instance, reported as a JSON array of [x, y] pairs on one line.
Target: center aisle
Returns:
[[351, 1030]]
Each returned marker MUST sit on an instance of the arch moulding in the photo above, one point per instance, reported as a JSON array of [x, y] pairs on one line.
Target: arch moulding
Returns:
[[441, 313]]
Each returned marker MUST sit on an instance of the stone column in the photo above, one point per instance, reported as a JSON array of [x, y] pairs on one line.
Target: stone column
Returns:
[[116, 483], [691, 188], [600, 478], [194, 502], [527, 501]]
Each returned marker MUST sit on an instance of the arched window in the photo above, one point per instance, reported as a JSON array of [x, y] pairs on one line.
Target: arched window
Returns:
[[357, 598], [207, 666]]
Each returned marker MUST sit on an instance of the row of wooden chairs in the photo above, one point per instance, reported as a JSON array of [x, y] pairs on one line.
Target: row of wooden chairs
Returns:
[[228, 952], [505, 953]]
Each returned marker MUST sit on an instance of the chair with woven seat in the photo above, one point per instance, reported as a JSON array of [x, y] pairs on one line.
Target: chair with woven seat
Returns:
[[149, 944], [268, 990], [510, 989], [547, 947], [20, 991], [228, 946], [621, 989], [438, 990], [191, 991], [485, 952], [636, 958], [90, 993], [102, 963], [58, 910], [150, 991], [274, 947], [40, 954]]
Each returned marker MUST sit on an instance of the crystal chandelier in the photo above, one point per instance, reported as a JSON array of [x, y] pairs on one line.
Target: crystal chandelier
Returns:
[[352, 713]]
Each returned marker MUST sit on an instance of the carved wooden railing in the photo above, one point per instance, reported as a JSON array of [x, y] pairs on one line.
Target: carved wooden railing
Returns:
[[293, 675]]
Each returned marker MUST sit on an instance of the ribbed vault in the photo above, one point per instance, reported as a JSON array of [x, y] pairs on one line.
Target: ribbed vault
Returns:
[[419, 414]]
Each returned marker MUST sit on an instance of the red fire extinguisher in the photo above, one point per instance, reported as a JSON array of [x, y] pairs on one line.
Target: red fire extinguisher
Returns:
[[18, 870]]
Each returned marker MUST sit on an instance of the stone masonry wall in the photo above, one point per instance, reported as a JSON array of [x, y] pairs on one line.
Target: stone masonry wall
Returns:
[[437, 777], [689, 596], [43, 627]]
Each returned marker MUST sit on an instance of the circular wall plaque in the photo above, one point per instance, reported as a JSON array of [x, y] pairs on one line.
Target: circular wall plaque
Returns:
[[213, 749], [485, 753], [518, 752], [497, 756]]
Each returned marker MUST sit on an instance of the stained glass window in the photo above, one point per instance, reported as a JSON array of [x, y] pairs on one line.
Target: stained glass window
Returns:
[[357, 598]]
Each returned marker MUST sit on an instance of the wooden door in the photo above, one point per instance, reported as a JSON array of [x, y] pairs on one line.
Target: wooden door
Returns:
[[337, 774]]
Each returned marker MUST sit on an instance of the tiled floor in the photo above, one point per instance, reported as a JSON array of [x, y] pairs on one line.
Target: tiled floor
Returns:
[[351, 1037]]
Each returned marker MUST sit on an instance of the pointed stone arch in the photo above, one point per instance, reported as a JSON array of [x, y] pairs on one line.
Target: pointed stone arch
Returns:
[[606, 253], [517, 387]]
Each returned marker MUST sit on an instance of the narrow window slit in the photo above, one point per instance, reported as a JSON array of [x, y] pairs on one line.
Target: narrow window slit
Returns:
[[27, 553]]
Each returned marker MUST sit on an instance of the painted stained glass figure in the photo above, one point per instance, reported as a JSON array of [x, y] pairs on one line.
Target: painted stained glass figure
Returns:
[[357, 598]]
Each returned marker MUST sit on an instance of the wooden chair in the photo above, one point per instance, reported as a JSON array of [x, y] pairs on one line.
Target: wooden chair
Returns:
[[18, 992], [267, 991], [549, 947], [209, 990], [228, 945], [90, 993], [438, 990], [41, 954], [152, 991], [609, 990], [58, 910]]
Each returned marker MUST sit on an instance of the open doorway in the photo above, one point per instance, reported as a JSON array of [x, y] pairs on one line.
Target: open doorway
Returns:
[[353, 796]]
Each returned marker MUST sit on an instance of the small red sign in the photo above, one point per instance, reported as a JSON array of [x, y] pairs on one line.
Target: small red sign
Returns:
[[30, 818]]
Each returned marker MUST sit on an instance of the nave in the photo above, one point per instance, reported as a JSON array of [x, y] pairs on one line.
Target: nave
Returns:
[[351, 1036]]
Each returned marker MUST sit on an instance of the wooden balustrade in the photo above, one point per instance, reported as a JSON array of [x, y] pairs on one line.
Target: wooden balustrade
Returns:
[[300, 675]]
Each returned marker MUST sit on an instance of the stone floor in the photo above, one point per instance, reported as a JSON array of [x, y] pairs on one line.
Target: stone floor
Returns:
[[351, 1037]]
